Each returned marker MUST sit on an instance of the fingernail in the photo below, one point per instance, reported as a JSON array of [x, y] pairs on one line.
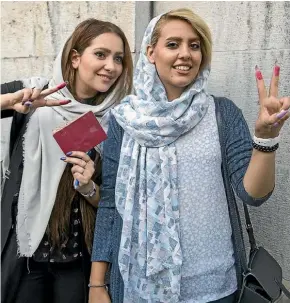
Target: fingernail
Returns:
[[27, 103], [275, 124], [276, 70], [62, 158], [69, 153], [62, 85], [76, 184], [259, 75], [29, 100], [282, 113], [64, 102]]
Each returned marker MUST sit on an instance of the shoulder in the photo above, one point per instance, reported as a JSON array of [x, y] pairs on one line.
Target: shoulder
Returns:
[[226, 104], [114, 128], [228, 110]]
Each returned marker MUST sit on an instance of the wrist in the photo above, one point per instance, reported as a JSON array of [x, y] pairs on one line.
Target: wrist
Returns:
[[273, 133], [266, 142], [88, 190], [6, 101]]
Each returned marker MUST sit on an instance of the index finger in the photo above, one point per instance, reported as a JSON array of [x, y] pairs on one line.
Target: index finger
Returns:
[[50, 103], [51, 90], [275, 81], [79, 154], [262, 92]]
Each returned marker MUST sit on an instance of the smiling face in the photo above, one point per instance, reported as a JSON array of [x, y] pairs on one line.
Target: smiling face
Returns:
[[99, 66], [177, 56]]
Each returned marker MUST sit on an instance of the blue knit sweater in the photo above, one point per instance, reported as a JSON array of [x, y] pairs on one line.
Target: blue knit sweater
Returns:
[[236, 149]]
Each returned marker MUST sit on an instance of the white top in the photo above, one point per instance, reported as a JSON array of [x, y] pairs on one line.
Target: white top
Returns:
[[208, 271]]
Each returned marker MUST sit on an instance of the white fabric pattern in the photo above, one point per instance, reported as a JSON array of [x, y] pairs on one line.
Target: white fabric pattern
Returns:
[[208, 266], [146, 191], [42, 168]]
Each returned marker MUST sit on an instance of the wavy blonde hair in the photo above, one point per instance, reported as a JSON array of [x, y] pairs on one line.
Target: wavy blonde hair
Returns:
[[198, 25]]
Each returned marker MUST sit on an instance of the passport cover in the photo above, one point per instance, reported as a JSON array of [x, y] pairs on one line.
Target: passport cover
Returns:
[[81, 134]]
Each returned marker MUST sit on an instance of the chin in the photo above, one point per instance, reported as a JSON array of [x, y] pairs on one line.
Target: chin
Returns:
[[183, 85], [103, 88]]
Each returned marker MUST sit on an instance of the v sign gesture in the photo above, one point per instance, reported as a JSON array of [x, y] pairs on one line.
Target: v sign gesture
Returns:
[[26, 99], [259, 179], [274, 111]]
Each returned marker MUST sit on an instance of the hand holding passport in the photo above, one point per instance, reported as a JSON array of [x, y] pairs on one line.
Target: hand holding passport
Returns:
[[81, 134]]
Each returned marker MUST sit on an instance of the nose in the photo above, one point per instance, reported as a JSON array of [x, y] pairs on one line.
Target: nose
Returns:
[[109, 64], [184, 52]]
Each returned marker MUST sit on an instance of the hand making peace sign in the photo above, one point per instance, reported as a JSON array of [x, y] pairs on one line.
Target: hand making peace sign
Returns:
[[274, 111], [24, 100]]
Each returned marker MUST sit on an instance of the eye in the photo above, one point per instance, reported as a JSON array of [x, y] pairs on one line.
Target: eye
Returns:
[[100, 55], [119, 59], [195, 46], [172, 44]]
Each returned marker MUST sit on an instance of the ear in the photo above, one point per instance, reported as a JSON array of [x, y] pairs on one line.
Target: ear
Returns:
[[75, 59], [150, 54]]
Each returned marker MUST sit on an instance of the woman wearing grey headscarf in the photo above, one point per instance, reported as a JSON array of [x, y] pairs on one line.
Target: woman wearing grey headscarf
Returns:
[[47, 223]]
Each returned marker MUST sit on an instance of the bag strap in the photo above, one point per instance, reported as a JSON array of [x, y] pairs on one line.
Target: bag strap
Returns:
[[250, 230], [249, 226]]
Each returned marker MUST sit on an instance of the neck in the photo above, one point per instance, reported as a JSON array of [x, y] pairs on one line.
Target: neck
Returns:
[[172, 95], [173, 92], [83, 92], [82, 95]]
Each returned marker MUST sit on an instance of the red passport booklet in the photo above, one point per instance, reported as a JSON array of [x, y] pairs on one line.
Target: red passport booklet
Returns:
[[82, 134]]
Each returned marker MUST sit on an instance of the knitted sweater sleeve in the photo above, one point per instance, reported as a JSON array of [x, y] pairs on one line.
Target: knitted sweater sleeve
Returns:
[[239, 152], [103, 238]]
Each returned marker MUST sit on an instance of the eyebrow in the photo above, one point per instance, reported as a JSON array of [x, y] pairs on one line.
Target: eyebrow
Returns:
[[107, 50], [180, 39]]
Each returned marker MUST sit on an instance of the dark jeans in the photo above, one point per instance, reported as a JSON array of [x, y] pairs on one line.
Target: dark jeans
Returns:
[[53, 283], [228, 299]]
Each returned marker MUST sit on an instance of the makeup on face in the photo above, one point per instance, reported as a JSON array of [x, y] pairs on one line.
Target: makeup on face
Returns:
[[100, 65], [177, 56]]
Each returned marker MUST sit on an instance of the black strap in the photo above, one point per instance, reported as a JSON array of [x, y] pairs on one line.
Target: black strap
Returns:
[[284, 289], [250, 230]]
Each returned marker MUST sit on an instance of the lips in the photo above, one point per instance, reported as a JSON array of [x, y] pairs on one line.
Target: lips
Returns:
[[182, 67], [105, 77]]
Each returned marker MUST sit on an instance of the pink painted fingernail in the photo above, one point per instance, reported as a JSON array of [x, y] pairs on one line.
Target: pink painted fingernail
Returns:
[[258, 73], [64, 102], [275, 124], [277, 70], [62, 85]]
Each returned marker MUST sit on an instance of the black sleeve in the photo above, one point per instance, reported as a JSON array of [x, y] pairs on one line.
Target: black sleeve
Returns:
[[18, 118], [6, 88]]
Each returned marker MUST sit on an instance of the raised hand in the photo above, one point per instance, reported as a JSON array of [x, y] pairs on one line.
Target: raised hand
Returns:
[[274, 111], [30, 98]]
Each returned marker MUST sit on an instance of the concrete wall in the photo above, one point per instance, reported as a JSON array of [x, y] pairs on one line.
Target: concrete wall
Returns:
[[32, 33], [246, 34]]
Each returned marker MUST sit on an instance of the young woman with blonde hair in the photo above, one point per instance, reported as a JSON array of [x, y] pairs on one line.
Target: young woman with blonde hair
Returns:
[[167, 226]]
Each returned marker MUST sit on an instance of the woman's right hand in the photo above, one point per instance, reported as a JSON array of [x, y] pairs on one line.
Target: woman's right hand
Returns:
[[99, 295], [28, 98]]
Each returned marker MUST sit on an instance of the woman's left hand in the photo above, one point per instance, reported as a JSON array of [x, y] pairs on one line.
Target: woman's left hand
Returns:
[[82, 170], [274, 111]]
